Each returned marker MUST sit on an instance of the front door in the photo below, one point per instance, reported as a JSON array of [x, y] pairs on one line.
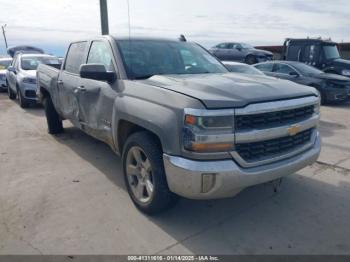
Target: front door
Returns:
[[284, 71], [96, 98]]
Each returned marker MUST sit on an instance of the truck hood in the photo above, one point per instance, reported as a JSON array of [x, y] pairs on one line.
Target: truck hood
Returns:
[[29, 73], [332, 77], [342, 63], [230, 89]]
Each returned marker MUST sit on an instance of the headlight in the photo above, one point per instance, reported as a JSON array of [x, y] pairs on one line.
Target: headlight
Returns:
[[345, 72], [28, 80], [208, 131]]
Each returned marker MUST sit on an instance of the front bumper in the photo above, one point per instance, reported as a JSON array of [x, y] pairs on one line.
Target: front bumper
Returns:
[[3, 85], [184, 176], [338, 94], [29, 92]]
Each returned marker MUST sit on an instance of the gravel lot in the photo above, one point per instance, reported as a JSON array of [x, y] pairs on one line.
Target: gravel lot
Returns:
[[66, 195]]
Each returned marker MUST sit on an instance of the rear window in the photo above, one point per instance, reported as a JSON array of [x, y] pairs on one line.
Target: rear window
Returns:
[[75, 57]]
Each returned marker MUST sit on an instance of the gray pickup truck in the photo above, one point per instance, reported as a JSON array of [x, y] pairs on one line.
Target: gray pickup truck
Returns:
[[183, 125]]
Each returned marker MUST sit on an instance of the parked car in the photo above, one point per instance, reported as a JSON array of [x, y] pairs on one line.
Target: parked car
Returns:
[[240, 52], [322, 54], [21, 76], [4, 64], [183, 125], [332, 87], [237, 67]]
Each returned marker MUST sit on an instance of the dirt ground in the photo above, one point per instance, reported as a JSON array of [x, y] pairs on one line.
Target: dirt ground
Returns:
[[65, 195]]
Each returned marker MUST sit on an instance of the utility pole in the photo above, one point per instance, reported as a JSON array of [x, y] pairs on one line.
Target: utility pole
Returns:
[[104, 17], [4, 33]]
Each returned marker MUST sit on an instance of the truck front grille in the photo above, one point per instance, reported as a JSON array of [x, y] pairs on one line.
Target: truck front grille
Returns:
[[271, 119], [257, 151]]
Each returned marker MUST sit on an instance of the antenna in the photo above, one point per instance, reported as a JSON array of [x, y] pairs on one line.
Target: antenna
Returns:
[[182, 38]]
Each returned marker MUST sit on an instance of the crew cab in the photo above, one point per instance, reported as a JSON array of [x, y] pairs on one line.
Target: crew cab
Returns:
[[181, 122]]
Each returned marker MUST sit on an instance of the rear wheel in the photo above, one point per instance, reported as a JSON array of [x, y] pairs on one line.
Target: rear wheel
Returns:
[[54, 122], [145, 175]]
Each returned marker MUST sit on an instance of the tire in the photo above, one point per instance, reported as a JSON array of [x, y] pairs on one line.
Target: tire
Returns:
[[324, 100], [12, 95], [22, 101], [250, 60], [150, 169], [54, 121]]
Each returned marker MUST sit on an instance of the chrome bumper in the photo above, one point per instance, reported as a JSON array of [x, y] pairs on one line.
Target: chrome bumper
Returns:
[[185, 177]]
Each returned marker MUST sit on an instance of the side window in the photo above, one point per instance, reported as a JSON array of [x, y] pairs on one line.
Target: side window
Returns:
[[222, 46], [266, 67], [75, 57], [100, 53], [283, 69], [294, 52]]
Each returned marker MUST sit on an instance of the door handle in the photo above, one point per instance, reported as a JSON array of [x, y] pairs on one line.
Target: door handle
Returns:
[[81, 88]]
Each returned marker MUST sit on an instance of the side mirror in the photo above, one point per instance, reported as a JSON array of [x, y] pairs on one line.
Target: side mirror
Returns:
[[96, 72], [293, 73], [11, 69]]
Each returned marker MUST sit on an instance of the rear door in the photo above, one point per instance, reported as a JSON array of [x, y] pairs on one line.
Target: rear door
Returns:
[[96, 97], [69, 81]]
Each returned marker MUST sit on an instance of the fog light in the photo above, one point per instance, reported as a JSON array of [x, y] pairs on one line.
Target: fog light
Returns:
[[208, 182]]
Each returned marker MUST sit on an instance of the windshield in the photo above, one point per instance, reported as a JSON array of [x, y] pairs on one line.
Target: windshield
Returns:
[[244, 69], [145, 58], [246, 45], [331, 52], [4, 64], [32, 62]]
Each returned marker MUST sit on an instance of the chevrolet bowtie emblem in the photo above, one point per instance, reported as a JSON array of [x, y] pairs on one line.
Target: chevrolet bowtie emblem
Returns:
[[293, 130]]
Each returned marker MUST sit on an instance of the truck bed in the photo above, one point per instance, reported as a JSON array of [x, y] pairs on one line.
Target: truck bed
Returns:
[[47, 76]]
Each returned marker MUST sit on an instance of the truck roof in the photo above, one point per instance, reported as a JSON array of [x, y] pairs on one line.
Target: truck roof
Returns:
[[316, 40], [133, 38]]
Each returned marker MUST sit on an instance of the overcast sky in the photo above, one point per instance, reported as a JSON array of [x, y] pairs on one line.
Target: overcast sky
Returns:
[[52, 24]]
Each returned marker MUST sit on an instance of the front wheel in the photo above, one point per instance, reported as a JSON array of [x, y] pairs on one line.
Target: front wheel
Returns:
[[22, 101], [250, 60], [10, 93], [145, 175]]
